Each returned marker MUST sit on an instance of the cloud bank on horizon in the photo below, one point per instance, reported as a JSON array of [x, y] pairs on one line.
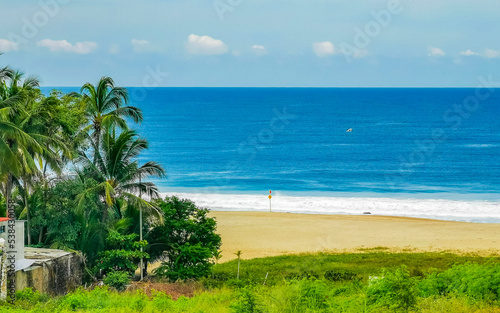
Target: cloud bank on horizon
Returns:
[[254, 43]]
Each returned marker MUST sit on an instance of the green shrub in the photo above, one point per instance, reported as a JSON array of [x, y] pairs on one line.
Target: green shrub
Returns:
[[396, 290], [191, 263], [340, 275], [247, 302], [479, 282], [83, 299], [32, 296], [313, 294], [77, 300], [237, 283], [295, 296], [162, 301], [139, 301], [118, 280]]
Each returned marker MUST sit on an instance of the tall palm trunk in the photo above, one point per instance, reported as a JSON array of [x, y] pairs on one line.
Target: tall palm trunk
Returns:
[[8, 191], [25, 186], [40, 235], [97, 134], [45, 190]]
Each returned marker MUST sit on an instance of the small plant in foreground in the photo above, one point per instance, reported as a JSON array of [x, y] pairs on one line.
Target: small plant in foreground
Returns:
[[247, 302], [118, 280], [396, 289], [32, 296]]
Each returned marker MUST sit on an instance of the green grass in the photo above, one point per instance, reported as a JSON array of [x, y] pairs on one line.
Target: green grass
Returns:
[[287, 267], [297, 283]]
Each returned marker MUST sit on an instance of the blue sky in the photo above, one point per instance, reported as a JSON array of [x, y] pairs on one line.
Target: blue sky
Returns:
[[315, 43]]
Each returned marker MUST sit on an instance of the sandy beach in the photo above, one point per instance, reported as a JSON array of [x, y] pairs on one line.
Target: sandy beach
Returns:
[[259, 234]]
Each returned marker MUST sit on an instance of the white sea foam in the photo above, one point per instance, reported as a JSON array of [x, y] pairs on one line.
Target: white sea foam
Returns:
[[481, 146], [471, 211]]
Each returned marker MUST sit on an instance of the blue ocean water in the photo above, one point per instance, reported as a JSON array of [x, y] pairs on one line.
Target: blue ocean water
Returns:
[[405, 143]]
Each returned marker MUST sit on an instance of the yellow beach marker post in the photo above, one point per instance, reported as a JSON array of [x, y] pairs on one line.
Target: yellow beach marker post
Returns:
[[270, 197]]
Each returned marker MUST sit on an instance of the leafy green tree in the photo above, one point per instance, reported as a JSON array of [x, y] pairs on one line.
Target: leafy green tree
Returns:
[[123, 252], [186, 242]]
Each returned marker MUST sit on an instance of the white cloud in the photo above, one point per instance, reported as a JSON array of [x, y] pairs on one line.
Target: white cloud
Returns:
[[141, 45], [259, 50], [435, 52], [468, 53], [324, 49], [65, 46], [139, 42], [114, 49], [491, 54], [205, 45], [6, 45]]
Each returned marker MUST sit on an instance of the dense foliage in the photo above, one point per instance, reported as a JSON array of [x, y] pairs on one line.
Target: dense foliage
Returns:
[[394, 289], [299, 289], [185, 242], [70, 162], [122, 254]]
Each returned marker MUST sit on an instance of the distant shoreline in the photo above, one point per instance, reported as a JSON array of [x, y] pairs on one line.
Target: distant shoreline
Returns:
[[475, 211]]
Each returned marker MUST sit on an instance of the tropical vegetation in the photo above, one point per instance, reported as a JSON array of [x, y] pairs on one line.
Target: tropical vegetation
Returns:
[[370, 281], [70, 162]]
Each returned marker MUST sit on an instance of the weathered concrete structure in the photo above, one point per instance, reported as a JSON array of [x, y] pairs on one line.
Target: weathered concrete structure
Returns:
[[49, 271], [54, 272]]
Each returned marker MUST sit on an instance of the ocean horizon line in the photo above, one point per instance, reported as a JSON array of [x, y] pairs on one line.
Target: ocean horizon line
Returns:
[[292, 87]]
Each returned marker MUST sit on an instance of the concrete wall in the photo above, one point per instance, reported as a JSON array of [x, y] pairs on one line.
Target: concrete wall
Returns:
[[56, 276]]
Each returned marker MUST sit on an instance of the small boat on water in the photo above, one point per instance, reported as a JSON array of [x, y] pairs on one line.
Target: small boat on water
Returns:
[[349, 130]]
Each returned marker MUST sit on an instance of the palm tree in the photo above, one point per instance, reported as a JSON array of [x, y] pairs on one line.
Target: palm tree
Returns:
[[118, 174], [217, 256], [53, 149], [14, 141], [238, 254], [24, 143], [104, 107], [5, 73]]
